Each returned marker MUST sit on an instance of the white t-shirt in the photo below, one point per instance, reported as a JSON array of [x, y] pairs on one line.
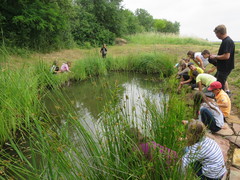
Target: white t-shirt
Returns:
[[218, 115], [204, 60]]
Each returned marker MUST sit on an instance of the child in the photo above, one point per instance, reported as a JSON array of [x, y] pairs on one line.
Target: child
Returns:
[[104, 51], [147, 148], [204, 152], [66, 67], [210, 114], [200, 58], [54, 68], [183, 71]]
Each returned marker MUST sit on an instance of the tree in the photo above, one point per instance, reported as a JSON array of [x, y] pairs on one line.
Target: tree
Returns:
[[130, 24], [145, 19], [163, 25], [36, 24]]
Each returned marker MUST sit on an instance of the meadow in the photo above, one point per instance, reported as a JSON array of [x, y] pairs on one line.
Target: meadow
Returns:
[[39, 145]]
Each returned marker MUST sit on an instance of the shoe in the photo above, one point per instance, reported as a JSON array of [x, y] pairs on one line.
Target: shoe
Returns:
[[229, 93]]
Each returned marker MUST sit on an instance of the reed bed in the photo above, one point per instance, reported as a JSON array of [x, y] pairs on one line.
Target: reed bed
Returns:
[[147, 63], [39, 145]]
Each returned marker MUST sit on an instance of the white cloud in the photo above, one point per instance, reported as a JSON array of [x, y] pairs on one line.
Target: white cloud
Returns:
[[196, 17]]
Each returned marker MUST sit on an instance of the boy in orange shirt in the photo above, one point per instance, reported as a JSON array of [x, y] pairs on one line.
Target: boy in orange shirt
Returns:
[[221, 97]]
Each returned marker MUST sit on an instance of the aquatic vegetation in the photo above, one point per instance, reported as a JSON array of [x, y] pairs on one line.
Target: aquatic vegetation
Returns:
[[63, 146]]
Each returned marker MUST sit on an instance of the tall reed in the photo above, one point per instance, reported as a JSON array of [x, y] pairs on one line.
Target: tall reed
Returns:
[[63, 146]]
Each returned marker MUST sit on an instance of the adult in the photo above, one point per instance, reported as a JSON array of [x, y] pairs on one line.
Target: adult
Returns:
[[193, 72], [210, 114], [103, 50], [200, 58], [204, 153], [204, 79], [222, 99], [225, 56], [214, 63], [66, 67]]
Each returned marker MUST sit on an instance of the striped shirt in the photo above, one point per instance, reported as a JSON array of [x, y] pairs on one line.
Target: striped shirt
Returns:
[[209, 154]]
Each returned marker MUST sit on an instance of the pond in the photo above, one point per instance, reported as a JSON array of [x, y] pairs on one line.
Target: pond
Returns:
[[91, 96]]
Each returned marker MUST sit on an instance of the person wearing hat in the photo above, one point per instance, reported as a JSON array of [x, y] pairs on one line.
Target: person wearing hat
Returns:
[[222, 99], [194, 71], [204, 79]]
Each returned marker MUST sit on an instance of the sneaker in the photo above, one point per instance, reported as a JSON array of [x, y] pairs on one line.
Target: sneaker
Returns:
[[229, 93]]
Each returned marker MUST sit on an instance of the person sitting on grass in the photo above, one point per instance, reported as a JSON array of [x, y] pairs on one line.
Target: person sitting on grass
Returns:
[[204, 79], [200, 58], [148, 148], [203, 153], [222, 98], [194, 71], [55, 68], [66, 67]]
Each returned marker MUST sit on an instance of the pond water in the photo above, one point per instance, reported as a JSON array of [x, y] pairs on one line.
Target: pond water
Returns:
[[89, 97]]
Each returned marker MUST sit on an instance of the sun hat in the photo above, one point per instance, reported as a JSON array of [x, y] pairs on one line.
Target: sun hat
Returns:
[[215, 85]]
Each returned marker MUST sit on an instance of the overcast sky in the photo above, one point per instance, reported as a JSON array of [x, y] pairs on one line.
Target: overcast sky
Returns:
[[197, 18]]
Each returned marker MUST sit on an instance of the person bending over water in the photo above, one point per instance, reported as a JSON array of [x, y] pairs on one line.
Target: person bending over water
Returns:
[[147, 148], [204, 153], [208, 112]]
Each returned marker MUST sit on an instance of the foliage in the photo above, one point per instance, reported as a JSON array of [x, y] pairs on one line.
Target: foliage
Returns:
[[37, 25], [131, 23], [163, 25], [145, 19], [85, 28], [50, 25]]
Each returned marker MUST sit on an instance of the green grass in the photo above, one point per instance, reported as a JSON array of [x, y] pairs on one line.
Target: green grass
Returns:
[[61, 146], [147, 63], [160, 38], [70, 151]]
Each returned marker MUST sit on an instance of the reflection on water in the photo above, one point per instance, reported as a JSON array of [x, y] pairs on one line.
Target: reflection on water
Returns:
[[90, 97]]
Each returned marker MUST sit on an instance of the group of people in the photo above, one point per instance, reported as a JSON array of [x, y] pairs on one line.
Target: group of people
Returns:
[[211, 106], [64, 68]]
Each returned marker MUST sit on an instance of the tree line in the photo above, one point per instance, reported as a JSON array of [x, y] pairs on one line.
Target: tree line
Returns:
[[46, 25]]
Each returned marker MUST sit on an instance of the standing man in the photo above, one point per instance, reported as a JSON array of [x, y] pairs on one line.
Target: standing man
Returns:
[[225, 56]]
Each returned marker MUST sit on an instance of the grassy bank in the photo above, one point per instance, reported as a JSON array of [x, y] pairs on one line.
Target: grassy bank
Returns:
[[62, 146], [40, 145], [52, 150]]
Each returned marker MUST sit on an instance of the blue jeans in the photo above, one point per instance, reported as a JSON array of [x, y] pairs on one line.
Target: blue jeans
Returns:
[[208, 120]]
